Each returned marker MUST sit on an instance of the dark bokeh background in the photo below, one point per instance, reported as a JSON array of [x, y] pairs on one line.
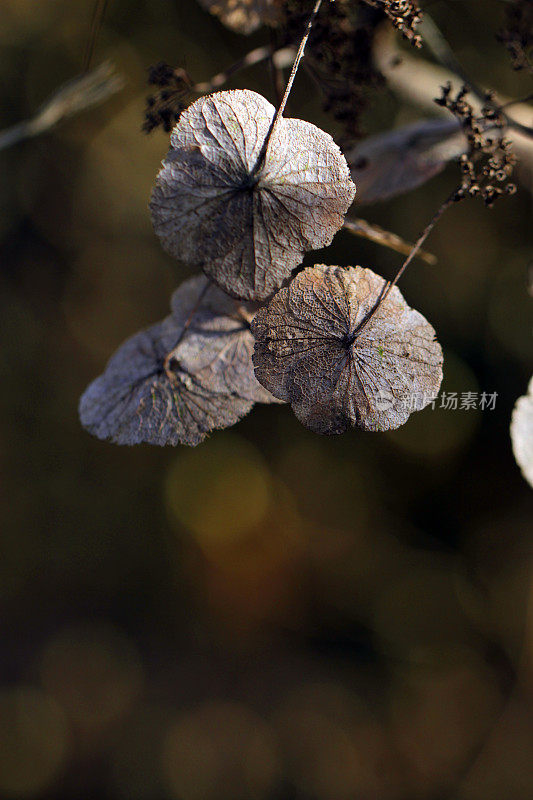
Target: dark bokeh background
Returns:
[[273, 614]]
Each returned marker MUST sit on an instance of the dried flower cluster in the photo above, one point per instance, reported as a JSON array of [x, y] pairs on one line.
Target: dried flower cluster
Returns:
[[243, 193], [405, 16], [339, 57], [172, 87], [489, 163], [517, 34]]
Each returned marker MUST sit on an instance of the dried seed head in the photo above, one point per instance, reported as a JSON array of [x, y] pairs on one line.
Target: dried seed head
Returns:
[[339, 56], [405, 15], [489, 156], [244, 16], [173, 88], [248, 227], [517, 34], [312, 351], [181, 378]]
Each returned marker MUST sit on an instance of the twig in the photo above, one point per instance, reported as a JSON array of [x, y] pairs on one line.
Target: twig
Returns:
[[281, 58], [374, 233], [292, 76], [78, 94], [97, 19], [388, 286]]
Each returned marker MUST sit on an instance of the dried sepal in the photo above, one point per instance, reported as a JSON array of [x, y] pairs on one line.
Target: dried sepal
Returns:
[[398, 161], [248, 227], [181, 378], [310, 351], [218, 345], [522, 433], [244, 16]]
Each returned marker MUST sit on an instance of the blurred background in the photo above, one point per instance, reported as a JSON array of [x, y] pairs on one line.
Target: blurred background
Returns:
[[273, 615]]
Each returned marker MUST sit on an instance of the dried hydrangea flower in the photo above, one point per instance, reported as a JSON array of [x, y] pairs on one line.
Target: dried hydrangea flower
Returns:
[[522, 433], [244, 16], [181, 378], [313, 351], [248, 227]]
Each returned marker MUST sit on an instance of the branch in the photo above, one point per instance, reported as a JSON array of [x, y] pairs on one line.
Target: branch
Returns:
[[374, 233], [281, 108], [388, 286], [78, 94], [280, 58]]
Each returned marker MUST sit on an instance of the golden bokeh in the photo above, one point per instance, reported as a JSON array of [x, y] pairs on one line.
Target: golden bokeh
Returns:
[[94, 673], [220, 751], [220, 491], [34, 741]]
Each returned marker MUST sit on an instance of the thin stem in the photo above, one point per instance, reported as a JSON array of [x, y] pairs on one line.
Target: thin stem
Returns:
[[99, 10], [525, 99], [292, 76], [442, 51], [276, 73], [243, 314], [388, 286], [374, 233], [73, 97], [281, 57]]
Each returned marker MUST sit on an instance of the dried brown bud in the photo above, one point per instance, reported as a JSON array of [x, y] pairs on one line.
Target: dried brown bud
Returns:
[[313, 351]]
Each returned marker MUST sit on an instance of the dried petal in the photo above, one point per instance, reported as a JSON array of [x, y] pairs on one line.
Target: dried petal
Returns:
[[179, 379], [308, 351], [244, 16], [522, 433], [398, 161], [246, 230]]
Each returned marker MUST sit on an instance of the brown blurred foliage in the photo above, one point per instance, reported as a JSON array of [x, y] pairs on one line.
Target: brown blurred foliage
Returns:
[[272, 615]]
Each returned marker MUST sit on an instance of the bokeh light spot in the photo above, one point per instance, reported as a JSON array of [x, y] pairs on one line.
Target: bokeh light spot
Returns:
[[94, 673], [219, 491], [220, 751], [33, 741]]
